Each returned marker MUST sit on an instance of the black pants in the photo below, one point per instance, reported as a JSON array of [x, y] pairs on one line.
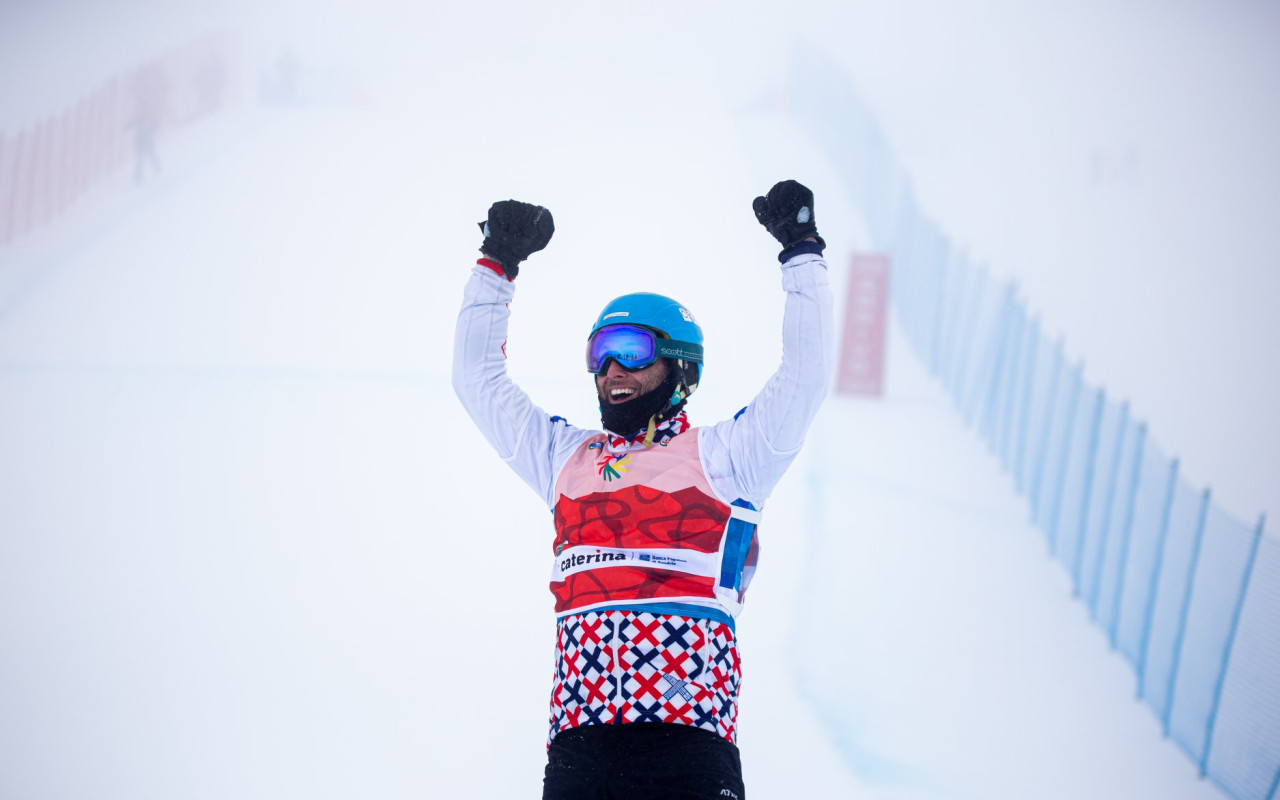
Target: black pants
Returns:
[[642, 761]]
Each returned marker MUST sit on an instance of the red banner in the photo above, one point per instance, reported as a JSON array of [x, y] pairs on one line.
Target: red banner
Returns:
[[862, 347]]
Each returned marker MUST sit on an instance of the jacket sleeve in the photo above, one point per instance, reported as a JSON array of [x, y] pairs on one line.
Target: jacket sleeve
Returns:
[[534, 444], [747, 455]]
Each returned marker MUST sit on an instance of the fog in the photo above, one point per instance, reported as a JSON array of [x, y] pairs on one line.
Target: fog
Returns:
[[230, 458], [1116, 160]]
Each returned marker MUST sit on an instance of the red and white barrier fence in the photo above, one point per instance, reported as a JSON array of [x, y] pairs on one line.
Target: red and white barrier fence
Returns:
[[48, 165]]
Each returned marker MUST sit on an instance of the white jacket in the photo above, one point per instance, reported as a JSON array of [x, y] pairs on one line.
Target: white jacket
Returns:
[[744, 457]]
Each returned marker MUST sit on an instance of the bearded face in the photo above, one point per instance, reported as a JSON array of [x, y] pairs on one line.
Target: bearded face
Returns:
[[629, 401], [617, 385]]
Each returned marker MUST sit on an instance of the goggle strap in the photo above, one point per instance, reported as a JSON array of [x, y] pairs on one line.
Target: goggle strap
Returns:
[[687, 351]]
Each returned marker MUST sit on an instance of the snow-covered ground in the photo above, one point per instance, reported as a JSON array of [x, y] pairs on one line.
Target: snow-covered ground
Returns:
[[232, 471]]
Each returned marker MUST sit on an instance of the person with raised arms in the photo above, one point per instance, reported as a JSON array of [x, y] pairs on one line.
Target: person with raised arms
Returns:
[[655, 521]]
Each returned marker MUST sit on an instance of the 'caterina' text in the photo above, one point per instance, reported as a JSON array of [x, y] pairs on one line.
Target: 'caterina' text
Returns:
[[596, 558]]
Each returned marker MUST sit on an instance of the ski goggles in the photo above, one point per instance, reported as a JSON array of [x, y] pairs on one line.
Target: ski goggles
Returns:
[[634, 347]]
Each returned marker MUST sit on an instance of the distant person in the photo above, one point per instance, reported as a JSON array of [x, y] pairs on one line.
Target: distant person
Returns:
[[655, 520], [149, 108]]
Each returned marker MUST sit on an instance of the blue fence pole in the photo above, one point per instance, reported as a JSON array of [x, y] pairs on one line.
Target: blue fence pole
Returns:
[[976, 393], [1229, 646], [935, 247], [1148, 610], [946, 322], [1127, 533], [1186, 609], [1046, 431], [1024, 405], [1055, 510], [956, 311], [904, 265], [973, 306], [984, 387], [1011, 388], [1008, 367], [939, 310], [969, 336], [1000, 344], [924, 256], [1086, 499], [921, 257], [903, 253], [919, 266], [1108, 507]]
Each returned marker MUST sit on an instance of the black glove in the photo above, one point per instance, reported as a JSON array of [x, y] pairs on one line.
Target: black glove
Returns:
[[513, 231], [787, 213]]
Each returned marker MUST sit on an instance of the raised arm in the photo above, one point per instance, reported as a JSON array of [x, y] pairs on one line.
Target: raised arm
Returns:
[[748, 454], [533, 443]]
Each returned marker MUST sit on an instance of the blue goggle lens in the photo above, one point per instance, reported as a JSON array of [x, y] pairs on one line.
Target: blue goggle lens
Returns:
[[631, 346]]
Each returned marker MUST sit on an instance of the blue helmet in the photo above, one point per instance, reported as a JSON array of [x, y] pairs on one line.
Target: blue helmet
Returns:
[[663, 316]]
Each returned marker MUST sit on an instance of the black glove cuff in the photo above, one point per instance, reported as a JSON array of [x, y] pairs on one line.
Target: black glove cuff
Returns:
[[802, 248], [510, 264]]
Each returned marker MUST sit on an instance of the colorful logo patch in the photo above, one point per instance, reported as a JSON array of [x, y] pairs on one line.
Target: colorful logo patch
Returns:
[[612, 466]]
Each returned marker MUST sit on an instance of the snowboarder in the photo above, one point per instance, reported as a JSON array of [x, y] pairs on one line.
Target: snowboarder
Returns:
[[655, 520]]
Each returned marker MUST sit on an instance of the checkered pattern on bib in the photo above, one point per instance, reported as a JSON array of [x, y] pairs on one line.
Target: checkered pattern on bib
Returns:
[[632, 666]]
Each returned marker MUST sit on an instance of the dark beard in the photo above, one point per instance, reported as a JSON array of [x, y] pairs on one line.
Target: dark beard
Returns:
[[629, 418]]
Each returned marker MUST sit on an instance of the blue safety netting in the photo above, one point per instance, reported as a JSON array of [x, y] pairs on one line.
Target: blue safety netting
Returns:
[[1226, 552], [1242, 756], [1187, 594]]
